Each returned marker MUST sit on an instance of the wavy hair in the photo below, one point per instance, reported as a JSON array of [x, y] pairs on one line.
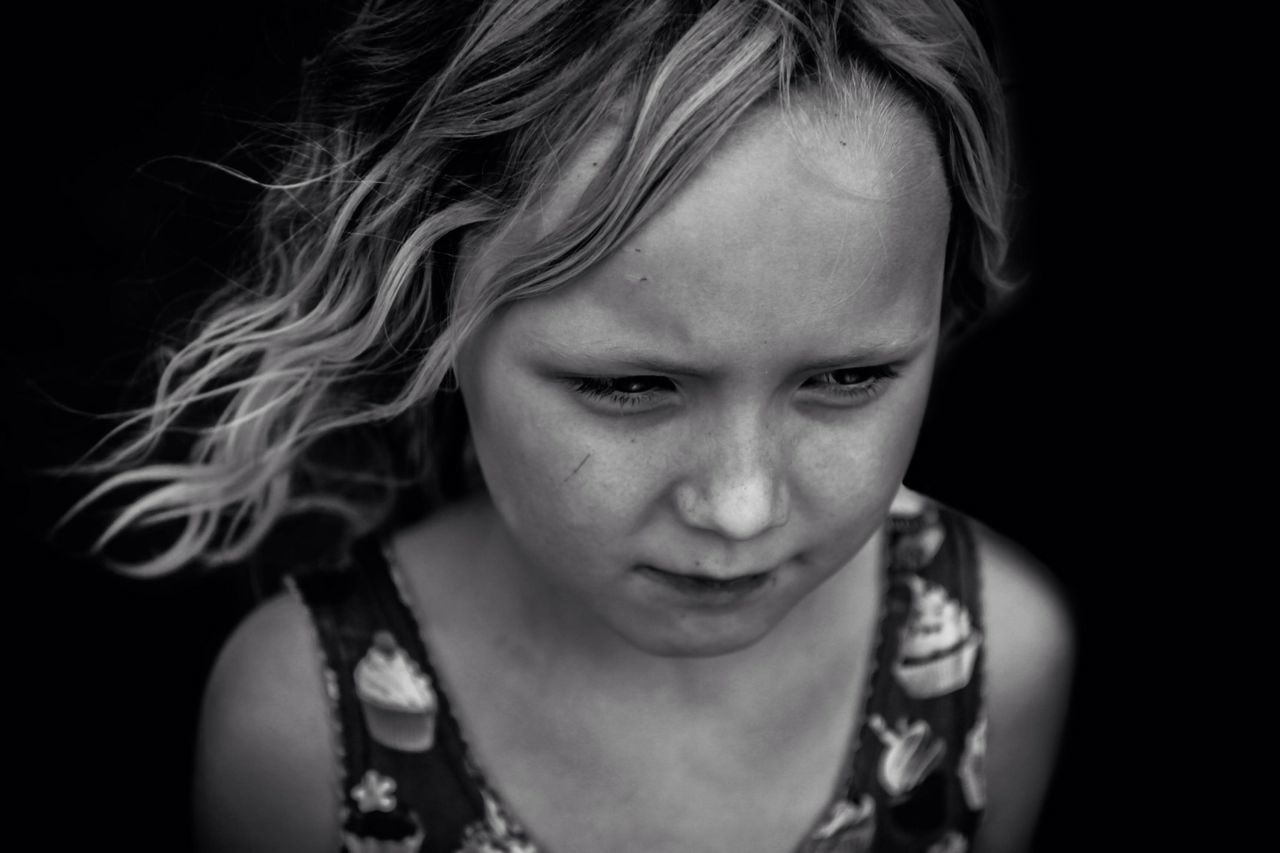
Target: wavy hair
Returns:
[[321, 380]]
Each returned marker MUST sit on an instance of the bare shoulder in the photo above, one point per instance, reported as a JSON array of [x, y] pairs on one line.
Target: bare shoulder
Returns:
[[265, 765], [1030, 656], [1025, 607]]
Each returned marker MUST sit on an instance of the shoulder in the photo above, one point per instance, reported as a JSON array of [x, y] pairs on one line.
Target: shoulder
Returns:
[[1030, 642], [266, 772], [1023, 603]]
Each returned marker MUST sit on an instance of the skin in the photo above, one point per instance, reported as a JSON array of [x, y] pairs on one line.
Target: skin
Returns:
[[790, 266], [753, 320]]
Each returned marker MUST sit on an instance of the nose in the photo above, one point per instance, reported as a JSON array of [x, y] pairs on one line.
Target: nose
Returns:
[[739, 489]]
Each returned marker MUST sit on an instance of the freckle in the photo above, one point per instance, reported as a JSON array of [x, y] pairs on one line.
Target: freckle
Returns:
[[644, 278], [635, 249], [593, 163]]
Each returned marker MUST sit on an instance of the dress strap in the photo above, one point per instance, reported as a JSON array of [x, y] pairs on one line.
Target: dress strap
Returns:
[[918, 765], [404, 780]]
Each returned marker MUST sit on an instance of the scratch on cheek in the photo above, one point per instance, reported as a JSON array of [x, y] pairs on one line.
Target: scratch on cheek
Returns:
[[576, 470]]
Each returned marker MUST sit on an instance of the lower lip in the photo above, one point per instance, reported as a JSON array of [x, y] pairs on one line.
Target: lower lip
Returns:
[[708, 592]]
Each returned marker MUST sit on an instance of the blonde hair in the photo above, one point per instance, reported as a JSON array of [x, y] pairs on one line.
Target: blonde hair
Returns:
[[321, 380]]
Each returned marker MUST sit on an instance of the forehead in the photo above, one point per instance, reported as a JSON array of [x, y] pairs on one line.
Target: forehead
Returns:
[[821, 227], [863, 141]]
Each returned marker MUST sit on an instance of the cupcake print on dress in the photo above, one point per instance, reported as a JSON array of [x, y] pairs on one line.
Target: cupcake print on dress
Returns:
[[379, 824], [972, 771], [849, 827], [398, 700], [498, 832], [952, 842], [911, 753], [937, 645], [917, 528]]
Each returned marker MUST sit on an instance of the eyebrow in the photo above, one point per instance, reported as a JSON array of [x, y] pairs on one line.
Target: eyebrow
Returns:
[[612, 356]]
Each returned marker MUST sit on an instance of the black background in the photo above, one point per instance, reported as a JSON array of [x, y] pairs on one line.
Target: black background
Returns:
[[118, 236]]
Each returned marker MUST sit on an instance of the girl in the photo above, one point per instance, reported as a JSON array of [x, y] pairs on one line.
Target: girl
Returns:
[[599, 334]]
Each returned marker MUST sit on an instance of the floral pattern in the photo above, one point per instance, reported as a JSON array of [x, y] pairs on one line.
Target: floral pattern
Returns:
[[375, 792], [379, 824]]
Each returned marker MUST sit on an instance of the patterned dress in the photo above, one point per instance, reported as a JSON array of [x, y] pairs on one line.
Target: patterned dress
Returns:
[[913, 783]]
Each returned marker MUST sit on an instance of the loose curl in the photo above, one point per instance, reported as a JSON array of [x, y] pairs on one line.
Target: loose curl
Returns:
[[321, 381]]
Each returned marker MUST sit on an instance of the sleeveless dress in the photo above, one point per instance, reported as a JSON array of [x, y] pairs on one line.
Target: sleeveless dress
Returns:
[[913, 780]]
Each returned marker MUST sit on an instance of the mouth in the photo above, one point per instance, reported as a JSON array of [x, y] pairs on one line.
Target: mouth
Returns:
[[707, 586]]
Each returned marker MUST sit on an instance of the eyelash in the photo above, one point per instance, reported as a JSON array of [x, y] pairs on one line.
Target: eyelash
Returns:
[[871, 382], [603, 388]]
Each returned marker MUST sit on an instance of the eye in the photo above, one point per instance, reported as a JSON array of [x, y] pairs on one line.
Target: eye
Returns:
[[853, 384], [623, 391]]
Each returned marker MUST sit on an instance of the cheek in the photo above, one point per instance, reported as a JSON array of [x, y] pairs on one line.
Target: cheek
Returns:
[[845, 472], [550, 468]]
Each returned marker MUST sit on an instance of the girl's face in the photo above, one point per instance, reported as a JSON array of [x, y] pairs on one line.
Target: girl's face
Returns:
[[732, 396]]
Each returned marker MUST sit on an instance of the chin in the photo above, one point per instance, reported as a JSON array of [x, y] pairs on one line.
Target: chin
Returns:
[[695, 638]]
